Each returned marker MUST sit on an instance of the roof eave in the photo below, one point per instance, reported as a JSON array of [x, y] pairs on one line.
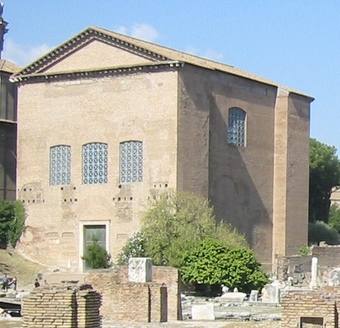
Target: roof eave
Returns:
[[100, 71]]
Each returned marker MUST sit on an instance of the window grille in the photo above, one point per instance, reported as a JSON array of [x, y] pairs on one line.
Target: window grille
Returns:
[[236, 126], [60, 165], [131, 161], [95, 163]]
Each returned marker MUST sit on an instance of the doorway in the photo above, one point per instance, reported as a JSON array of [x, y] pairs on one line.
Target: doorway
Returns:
[[93, 233]]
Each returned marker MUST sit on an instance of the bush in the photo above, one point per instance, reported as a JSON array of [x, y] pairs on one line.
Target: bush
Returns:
[[177, 222], [134, 247], [213, 263], [321, 231], [96, 256]]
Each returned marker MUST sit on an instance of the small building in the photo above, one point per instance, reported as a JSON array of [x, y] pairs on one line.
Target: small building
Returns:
[[106, 121]]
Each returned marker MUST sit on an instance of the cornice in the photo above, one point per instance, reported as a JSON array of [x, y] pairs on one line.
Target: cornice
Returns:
[[101, 72]]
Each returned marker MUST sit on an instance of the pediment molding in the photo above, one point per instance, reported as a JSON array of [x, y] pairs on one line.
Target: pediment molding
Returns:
[[80, 40], [102, 72]]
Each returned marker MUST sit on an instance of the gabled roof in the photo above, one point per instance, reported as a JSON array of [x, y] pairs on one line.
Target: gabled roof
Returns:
[[157, 54]]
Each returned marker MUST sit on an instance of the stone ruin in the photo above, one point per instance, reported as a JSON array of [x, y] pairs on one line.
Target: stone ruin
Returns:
[[317, 306], [62, 305], [312, 309], [137, 293]]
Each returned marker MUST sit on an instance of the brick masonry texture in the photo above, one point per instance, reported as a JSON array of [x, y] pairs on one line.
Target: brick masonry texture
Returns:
[[308, 308], [164, 292], [67, 306]]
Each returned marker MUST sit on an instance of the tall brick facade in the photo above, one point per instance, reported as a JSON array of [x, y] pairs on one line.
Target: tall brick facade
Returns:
[[155, 119]]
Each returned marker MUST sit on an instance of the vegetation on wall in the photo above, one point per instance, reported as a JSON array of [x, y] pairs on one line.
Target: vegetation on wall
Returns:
[[12, 222]]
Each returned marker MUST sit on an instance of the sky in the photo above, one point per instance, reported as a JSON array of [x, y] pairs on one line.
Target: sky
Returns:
[[292, 42]]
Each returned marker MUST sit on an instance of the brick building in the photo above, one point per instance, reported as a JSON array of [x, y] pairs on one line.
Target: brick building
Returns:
[[104, 119]]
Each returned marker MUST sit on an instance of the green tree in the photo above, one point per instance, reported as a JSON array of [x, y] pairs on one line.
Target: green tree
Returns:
[[324, 175], [17, 224], [334, 217], [6, 216], [178, 221], [12, 222], [212, 262], [96, 256]]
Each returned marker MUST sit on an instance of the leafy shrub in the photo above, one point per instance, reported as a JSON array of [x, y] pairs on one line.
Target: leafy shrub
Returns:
[[134, 247], [213, 263], [96, 256], [321, 231], [177, 222]]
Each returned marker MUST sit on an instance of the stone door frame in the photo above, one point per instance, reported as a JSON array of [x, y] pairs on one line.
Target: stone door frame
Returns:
[[82, 225]]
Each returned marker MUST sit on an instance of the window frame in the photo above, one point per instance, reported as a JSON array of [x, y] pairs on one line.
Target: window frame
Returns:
[[102, 173], [59, 181], [237, 117], [132, 170]]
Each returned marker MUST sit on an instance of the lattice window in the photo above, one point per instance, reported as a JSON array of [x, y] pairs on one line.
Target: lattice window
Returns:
[[236, 126], [60, 165], [131, 161], [95, 163]]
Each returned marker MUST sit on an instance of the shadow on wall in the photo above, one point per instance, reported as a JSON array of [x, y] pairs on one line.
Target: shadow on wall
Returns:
[[237, 180], [234, 190], [8, 160]]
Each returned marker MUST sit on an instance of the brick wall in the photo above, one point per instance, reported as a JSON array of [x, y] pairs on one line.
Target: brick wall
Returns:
[[309, 307], [75, 306], [128, 302], [103, 280], [159, 303], [135, 302]]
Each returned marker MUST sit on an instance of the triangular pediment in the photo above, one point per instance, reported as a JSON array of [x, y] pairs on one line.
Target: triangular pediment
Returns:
[[92, 49], [96, 54]]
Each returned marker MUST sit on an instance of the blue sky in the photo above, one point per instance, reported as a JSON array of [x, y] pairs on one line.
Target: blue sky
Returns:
[[295, 43]]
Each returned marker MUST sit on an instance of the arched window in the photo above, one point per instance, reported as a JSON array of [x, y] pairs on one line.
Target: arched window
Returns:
[[60, 165], [95, 163], [131, 161], [236, 126]]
